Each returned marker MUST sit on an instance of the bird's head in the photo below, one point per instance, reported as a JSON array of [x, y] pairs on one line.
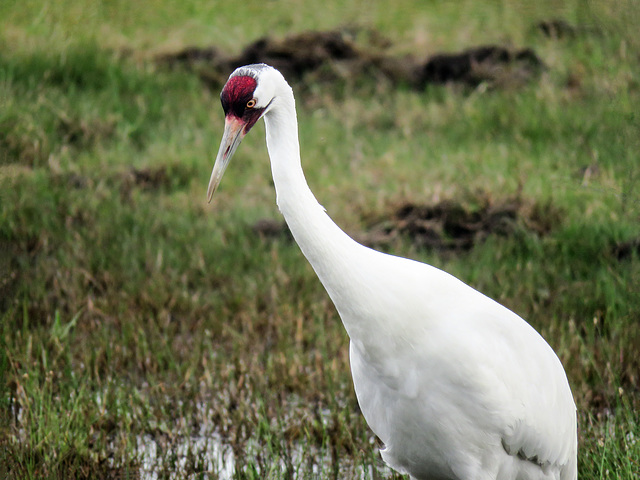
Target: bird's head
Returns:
[[245, 98]]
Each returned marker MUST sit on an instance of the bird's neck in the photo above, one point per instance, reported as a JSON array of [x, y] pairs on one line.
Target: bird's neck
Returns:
[[348, 271], [323, 243]]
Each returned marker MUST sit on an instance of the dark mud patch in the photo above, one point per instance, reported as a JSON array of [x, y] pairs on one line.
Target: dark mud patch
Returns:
[[330, 55], [269, 229], [450, 225], [490, 63], [340, 54], [150, 178], [627, 249]]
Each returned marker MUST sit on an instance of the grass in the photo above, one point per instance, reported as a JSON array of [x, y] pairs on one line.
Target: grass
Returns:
[[134, 316]]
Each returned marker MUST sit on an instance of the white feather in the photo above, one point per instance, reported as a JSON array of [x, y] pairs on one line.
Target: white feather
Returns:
[[455, 385]]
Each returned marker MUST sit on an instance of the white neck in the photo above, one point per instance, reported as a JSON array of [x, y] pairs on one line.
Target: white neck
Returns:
[[327, 248]]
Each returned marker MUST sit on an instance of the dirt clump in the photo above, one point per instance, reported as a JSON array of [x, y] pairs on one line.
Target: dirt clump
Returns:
[[489, 63], [337, 54], [455, 226], [301, 53], [269, 229], [626, 250]]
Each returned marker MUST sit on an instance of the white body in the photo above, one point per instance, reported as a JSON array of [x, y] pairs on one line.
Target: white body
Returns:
[[454, 384]]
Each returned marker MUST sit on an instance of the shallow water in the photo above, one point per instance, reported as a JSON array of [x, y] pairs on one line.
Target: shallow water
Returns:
[[218, 460], [215, 457]]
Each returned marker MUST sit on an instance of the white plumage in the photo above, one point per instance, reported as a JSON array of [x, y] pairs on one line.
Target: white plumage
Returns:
[[455, 385]]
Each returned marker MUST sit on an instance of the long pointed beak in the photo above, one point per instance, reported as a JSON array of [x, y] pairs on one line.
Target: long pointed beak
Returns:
[[231, 138]]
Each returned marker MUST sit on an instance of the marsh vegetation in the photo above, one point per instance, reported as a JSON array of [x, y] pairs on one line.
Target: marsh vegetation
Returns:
[[146, 333]]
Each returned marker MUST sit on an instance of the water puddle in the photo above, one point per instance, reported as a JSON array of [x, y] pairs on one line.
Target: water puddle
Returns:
[[212, 455], [214, 459]]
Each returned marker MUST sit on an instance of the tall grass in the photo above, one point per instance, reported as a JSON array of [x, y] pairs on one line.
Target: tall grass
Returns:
[[136, 316]]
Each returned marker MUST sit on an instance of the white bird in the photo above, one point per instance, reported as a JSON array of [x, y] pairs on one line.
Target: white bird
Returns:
[[455, 385]]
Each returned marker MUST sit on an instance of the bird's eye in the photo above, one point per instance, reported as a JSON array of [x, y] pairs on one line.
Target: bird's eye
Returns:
[[251, 103]]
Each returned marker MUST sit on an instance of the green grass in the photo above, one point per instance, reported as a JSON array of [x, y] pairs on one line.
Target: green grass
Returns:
[[132, 312]]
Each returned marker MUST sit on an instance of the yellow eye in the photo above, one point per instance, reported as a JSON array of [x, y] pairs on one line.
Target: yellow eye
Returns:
[[251, 103]]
